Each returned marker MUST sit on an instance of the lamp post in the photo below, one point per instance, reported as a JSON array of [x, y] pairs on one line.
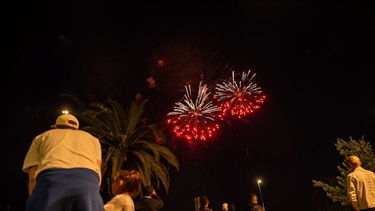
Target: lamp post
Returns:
[[260, 192]]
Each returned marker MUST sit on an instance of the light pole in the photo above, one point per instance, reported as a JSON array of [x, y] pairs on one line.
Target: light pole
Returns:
[[260, 192]]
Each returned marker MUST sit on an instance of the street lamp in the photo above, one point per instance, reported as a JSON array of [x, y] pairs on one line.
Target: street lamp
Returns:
[[260, 192]]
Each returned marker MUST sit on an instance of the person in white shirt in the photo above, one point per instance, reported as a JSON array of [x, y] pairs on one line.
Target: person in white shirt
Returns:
[[361, 185]]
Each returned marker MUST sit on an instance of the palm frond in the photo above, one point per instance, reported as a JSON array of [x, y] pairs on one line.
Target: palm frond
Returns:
[[135, 112], [128, 144]]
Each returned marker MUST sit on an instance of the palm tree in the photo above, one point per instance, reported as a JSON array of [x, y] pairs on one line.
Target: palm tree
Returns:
[[127, 143]]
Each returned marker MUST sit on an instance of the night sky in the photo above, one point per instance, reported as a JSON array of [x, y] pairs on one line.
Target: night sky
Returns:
[[313, 60]]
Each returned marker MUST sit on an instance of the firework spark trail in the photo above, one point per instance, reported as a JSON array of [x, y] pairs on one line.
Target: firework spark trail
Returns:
[[195, 120], [239, 98]]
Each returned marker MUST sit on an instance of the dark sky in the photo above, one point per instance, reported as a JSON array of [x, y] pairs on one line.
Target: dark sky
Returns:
[[314, 61]]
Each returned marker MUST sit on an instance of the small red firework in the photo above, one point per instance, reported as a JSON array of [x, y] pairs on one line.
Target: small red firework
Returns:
[[239, 98], [151, 82], [195, 120]]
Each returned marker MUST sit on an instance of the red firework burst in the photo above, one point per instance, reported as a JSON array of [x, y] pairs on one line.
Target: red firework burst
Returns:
[[195, 120], [239, 98]]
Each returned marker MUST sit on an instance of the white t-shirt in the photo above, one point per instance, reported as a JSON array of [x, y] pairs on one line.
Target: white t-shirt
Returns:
[[63, 148], [120, 202]]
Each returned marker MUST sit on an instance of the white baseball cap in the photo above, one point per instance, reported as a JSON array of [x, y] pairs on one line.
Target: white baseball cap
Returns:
[[66, 120]]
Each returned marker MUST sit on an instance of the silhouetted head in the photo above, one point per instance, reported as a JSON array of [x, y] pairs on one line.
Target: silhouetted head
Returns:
[[147, 191], [203, 201], [253, 198]]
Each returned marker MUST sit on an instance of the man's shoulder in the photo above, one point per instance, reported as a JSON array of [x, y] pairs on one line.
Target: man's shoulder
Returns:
[[50, 133], [85, 134], [360, 170], [367, 170]]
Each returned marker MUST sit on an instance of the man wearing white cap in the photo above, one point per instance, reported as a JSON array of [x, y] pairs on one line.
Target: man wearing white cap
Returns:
[[63, 165]]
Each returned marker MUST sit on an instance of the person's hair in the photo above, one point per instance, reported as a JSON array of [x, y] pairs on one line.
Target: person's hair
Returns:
[[203, 201], [353, 160], [132, 183]]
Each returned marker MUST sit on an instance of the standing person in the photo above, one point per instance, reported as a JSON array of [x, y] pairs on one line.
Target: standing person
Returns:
[[224, 207], [204, 202], [361, 185], [253, 205], [150, 201], [63, 166], [126, 185]]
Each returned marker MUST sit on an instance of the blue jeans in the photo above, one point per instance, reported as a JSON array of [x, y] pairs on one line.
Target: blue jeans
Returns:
[[74, 189]]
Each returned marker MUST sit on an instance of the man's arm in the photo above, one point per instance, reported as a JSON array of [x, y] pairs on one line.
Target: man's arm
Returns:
[[32, 179], [352, 193]]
